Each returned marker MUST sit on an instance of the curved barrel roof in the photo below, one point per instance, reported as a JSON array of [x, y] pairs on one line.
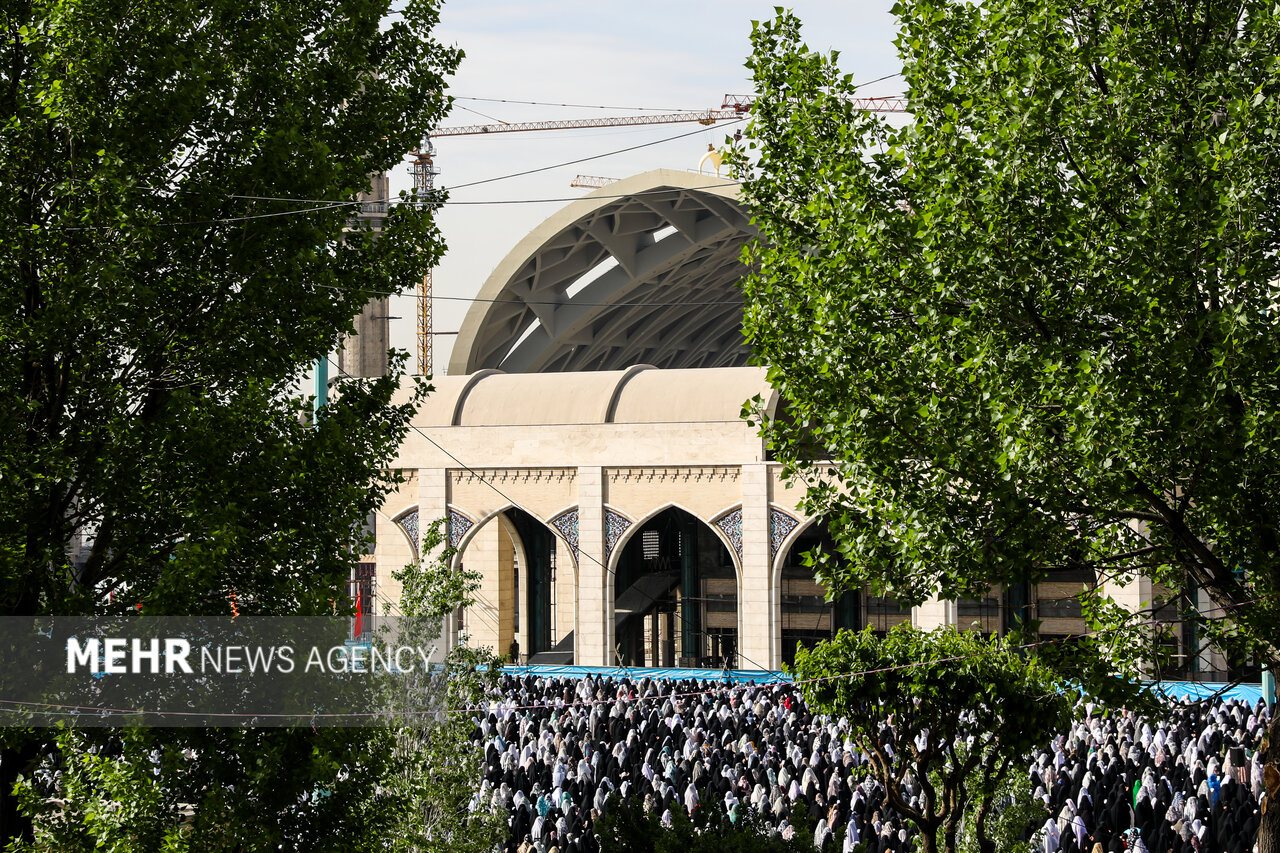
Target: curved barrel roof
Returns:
[[640, 394]]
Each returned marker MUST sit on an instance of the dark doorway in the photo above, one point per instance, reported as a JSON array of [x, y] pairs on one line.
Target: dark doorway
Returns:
[[807, 616], [676, 596], [540, 572]]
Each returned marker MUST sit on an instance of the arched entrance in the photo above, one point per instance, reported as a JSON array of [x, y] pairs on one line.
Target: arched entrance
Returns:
[[807, 617], [522, 609], [675, 595], [537, 602]]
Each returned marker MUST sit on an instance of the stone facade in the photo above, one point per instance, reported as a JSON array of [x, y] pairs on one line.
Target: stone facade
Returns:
[[594, 480]]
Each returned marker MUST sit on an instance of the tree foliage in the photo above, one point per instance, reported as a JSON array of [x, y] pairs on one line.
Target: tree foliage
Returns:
[[440, 761], [405, 786], [171, 278], [1035, 327], [945, 713], [179, 246]]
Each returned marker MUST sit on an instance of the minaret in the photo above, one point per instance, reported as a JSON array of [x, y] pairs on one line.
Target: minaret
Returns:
[[364, 354]]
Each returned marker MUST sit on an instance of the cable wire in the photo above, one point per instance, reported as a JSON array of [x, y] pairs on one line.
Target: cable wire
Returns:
[[412, 202], [483, 115], [878, 80], [701, 304], [593, 157]]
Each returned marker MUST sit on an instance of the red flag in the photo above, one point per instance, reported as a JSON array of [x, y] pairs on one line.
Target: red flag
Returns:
[[359, 626]]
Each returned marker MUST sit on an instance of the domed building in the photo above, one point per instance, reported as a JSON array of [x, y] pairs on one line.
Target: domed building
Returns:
[[588, 456]]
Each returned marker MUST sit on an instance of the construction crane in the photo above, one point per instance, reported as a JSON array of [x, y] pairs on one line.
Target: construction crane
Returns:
[[591, 182], [424, 184], [732, 108], [707, 117], [889, 104]]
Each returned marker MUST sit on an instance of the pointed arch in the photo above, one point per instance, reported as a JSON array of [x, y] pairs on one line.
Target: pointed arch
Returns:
[[800, 608], [520, 592], [728, 522], [685, 582], [565, 524], [463, 527]]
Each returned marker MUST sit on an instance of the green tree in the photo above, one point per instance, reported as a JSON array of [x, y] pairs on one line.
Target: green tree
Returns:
[[1034, 328], [1014, 815], [178, 247], [947, 713], [441, 764], [406, 786]]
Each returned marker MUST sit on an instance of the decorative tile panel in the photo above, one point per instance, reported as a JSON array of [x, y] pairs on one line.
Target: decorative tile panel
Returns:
[[730, 525], [459, 524], [780, 527], [567, 525], [614, 526], [409, 524]]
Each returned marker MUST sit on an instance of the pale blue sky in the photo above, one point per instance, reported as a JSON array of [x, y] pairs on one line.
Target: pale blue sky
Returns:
[[654, 54]]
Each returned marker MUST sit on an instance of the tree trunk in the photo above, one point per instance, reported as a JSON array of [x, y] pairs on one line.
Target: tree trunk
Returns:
[[985, 844], [1269, 830], [928, 839], [949, 839]]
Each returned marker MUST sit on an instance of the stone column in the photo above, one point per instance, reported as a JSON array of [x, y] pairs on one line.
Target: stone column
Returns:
[[1135, 596], [433, 506], [593, 642], [934, 613], [394, 548], [489, 618], [566, 592], [760, 635], [1207, 655]]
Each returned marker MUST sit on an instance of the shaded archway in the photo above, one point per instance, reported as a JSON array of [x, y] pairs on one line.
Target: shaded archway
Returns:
[[536, 596], [675, 591], [516, 610], [805, 613]]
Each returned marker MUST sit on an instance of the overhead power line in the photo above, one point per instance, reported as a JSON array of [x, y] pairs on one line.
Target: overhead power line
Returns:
[[586, 159], [698, 304]]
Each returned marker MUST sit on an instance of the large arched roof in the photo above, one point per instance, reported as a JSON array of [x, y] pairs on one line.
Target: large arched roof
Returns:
[[642, 271]]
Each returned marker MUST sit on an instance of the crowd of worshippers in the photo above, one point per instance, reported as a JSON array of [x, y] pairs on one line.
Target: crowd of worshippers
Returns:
[[557, 749]]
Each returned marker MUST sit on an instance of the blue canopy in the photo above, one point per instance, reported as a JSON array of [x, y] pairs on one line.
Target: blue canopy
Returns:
[[1178, 690], [734, 676]]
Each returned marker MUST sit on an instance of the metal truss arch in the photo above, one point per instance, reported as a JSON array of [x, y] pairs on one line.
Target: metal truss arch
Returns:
[[645, 270]]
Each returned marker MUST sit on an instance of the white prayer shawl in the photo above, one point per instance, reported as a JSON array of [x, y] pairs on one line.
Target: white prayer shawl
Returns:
[[1051, 838], [820, 833], [852, 835]]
